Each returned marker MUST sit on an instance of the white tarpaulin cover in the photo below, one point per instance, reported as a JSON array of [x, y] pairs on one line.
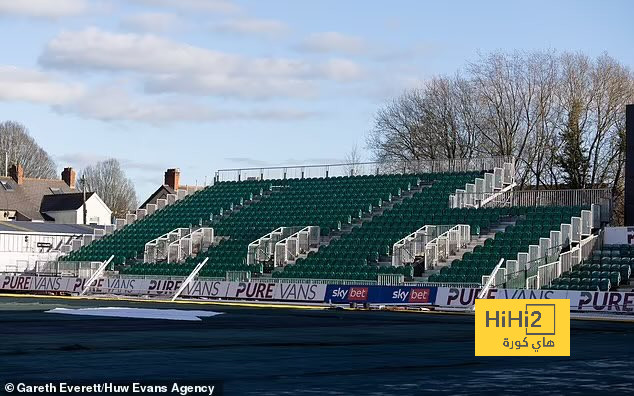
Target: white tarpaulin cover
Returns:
[[143, 313]]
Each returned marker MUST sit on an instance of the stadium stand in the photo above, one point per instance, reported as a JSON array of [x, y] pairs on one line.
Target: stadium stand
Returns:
[[607, 269], [327, 202], [128, 242], [532, 224], [359, 220], [356, 255]]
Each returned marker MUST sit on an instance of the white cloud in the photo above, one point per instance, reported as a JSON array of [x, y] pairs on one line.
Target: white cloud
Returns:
[[333, 42], [341, 70], [112, 102], [170, 66], [252, 26], [42, 8], [34, 86], [84, 159], [214, 6], [229, 86], [151, 22], [116, 104]]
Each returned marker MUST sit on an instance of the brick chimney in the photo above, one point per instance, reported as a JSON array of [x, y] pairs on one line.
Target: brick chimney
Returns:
[[172, 178], [70, 177], [17, 173]]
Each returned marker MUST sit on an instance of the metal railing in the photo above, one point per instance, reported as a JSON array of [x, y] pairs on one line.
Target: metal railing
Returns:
[[579, 197], [359, 169], [514, 277], [546, 273], [570, 197], [80, 269], [413, 245], [446, 244]]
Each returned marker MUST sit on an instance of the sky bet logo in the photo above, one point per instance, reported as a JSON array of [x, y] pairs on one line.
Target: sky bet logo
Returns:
[[522, 327], [351, 294]]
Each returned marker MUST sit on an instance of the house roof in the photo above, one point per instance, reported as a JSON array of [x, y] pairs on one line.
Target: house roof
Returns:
[[61, 202], [164, 190], [160, 192], [26, 198], [52, 228]]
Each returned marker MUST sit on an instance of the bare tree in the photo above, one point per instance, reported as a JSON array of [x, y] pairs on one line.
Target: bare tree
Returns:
[[17, 144], [562, 116], [108, 180], [353, 161]]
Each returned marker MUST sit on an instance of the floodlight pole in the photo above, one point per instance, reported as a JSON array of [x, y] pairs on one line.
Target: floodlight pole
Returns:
[[629, 165], [83, 187]]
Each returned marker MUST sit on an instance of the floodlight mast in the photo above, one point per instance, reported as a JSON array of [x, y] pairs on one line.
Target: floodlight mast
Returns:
[[629, 165]]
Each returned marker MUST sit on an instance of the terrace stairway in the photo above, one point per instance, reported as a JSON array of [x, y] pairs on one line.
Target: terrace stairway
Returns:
[[479, 241]]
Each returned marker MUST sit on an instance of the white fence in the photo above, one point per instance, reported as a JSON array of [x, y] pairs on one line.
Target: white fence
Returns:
[[362, 168]]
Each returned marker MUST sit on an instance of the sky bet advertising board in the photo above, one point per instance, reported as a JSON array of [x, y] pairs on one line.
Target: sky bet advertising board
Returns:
[[340, 294]]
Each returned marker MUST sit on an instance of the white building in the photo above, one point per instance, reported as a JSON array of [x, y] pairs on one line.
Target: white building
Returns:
[[26, 244], [49, 200], [68, 208]]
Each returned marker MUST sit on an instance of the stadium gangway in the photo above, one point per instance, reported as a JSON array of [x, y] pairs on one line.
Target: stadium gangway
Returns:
[[412, 246], [177, 244], [447, 244], [546, 273], [434, 243], [190, 245], [96, 275], [189, 278], [263, 249], [487, 190], [157, 249], [518, 273], [297, 245]]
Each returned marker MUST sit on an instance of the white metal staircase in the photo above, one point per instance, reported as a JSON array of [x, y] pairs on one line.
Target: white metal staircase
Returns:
[[486, 190], [433, 243], [178, 244]]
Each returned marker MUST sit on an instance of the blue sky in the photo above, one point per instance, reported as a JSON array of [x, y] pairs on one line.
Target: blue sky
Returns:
[[209, 84]]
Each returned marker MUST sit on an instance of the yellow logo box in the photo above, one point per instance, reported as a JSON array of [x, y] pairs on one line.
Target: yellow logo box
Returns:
[[508, 327]]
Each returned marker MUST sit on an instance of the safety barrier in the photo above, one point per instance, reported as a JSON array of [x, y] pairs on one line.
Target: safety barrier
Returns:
[[359, 169], [548, 272], [334, 292]]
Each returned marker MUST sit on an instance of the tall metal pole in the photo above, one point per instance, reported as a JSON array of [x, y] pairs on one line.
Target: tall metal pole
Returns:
[[83, 187], [629, 165]]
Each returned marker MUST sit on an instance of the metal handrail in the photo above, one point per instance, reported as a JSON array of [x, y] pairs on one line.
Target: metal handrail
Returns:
[[563, 197]]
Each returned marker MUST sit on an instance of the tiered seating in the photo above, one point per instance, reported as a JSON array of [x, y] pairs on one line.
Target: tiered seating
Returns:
[[607, 269], [129, 242], [536, 222], [328, 203], [354, 255]]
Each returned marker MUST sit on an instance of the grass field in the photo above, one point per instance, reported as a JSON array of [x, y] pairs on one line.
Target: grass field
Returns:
[[273, 351]]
